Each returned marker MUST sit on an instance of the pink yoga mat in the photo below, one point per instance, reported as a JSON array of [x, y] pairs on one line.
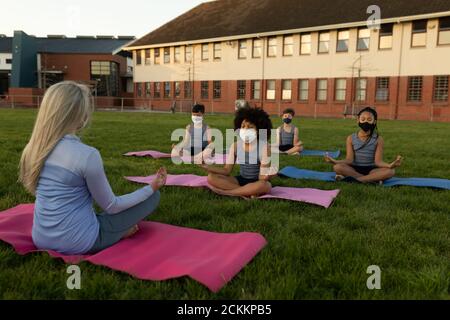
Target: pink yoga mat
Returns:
[[217, 159], [150, 153], [312, 196], [157, 252]]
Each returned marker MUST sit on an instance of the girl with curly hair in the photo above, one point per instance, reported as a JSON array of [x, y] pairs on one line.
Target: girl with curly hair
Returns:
[[251, 151]]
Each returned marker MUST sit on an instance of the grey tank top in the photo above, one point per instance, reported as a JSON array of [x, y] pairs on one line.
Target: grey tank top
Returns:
[[198, 136], [287, 138], [249, 163], [364, 152]]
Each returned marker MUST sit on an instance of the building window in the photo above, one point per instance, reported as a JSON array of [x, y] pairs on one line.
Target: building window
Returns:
[[272, 47], [166, 89], [256, 89], [157, 56], [340, 89], [305, 43], [386, 36], [324, 42], [382, 89], [270, 90], [286, 93], [188, 54], [205, 52], [217, 51], [157, 90], [139, 89], [187, 89], [288, 46], [444, 31], [361, 90], [241, 88], [166, 55], [139, 57], [217, 89], [242, 54], [419, 33], [257, 48], [342, 41], [147, 89], [303, 90], [322, 90], [106, 76], [177, 89], [204, 89], [147, 56], [8, 61], [363, 39], [415, 89], [441, 88], [177, 55]]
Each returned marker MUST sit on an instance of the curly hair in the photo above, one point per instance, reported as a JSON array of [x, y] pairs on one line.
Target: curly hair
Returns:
[[256, 116]]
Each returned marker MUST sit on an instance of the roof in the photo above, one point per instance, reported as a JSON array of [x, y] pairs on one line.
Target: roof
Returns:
[[5, 45], [225, 18], [80, 45]]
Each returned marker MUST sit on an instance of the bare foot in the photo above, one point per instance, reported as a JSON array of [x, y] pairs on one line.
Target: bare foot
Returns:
[[131, 232], [339, 177], [160, 179]]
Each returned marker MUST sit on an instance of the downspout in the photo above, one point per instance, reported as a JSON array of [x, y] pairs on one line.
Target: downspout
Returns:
[[262, 86], [399, 73]]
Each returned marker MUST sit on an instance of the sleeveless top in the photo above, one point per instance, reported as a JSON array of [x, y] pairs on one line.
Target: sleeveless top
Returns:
[[249, 162], [364, 151], [198, 137], [287, 138]]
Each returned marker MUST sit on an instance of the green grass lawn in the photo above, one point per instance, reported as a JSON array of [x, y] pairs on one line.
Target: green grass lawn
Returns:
[[312, 253]]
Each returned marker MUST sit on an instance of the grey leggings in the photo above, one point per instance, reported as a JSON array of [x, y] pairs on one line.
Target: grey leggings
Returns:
[[114, 226]]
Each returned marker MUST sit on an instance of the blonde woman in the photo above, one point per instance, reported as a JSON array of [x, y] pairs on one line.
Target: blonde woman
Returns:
[[67, 176]]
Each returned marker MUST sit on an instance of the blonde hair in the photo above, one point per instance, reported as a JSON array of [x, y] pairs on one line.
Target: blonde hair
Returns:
[[66, 108]]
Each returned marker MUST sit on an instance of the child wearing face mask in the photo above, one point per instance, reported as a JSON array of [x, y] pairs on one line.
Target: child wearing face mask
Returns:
[[252, 152], [364, 162], [197, 141], [287, 135]]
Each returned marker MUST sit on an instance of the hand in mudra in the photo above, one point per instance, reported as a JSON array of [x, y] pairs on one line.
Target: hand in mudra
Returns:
[[329, 159], [397, 163]]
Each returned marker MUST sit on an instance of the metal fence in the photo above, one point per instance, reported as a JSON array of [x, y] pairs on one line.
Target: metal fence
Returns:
[[145, 104], [105, 103]]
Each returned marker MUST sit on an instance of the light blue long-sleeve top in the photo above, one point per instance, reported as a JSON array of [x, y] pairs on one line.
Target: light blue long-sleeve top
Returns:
[[71, 179]]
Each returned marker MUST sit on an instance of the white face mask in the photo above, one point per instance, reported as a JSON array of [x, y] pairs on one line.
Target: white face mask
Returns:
[[248, 135], [197, 119]]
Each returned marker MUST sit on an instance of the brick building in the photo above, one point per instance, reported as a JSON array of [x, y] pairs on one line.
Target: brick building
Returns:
[[5, 63], [317, 56], [99, 62]]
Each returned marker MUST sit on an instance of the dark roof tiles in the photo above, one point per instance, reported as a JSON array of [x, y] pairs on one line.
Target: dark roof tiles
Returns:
[[224, 18]]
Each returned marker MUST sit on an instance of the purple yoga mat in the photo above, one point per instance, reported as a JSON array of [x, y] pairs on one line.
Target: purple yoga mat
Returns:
[[157, 252], [312, 196], [217, 159]]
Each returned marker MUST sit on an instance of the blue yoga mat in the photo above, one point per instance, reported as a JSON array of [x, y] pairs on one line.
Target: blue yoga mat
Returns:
[[316, 153], [319, 153], [292, 172]]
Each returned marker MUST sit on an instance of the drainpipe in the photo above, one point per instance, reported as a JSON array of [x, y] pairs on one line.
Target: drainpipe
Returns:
[[262, 86], [399, 73]]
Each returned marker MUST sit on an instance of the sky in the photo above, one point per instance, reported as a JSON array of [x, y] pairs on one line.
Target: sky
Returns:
[[89, 17]]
